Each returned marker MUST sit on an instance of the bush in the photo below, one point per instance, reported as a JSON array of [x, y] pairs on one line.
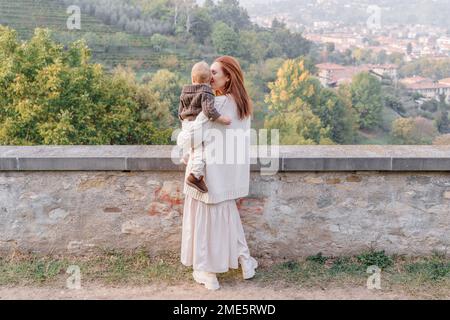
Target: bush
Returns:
[[290, 265], [442, 140], [426, 114], [318, 258], [346, 265], [430, 106], [434, 268], [377, 258], [417, 130], [159, 42], [52, 95]]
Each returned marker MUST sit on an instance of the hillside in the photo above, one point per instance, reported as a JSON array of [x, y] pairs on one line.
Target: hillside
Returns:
[[110, 45]]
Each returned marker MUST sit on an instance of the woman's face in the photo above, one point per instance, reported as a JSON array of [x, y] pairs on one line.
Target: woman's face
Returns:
[[218, 78]]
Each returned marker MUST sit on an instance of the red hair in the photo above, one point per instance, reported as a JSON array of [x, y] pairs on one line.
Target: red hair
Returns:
[[235, 87]]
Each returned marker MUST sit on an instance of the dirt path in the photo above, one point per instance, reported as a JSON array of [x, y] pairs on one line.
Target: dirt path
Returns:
[[241, 291]]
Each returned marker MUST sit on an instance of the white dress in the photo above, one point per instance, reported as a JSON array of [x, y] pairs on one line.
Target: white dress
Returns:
[[212, 236]]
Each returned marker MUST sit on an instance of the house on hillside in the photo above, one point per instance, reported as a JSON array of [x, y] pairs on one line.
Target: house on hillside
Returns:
[[333, 75], [427, 87]]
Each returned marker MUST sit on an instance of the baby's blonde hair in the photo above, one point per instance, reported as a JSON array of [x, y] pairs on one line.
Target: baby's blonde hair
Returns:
[[200, 72]]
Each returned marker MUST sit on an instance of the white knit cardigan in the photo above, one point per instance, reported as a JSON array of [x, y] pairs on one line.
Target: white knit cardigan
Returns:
[[226, 178]]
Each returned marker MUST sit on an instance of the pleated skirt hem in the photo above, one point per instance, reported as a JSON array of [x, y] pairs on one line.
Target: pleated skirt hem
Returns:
[[213, 237]]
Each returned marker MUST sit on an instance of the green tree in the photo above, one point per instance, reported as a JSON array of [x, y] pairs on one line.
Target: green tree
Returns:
[[290, 102], [367, 100], [225, 39], [201, 25], [251, 49], [231, 13], [334, 114], [351, 117], [426, 67], [442, 122], [293, 44], [159, 42], [56, 96], [257, 77], [166, 85]]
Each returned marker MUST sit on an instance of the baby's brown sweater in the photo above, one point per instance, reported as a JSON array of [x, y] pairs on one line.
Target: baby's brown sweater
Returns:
[[195, 98]]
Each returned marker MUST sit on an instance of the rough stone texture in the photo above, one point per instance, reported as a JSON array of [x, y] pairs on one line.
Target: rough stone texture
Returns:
[[346, 213], [289, 214], [330, 199], [47, 211]]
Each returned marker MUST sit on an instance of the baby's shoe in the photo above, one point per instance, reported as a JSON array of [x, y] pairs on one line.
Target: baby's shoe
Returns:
[[198, 184]]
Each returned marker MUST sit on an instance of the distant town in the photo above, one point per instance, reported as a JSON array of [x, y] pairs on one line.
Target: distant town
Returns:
[[332, 75], [410, 41]]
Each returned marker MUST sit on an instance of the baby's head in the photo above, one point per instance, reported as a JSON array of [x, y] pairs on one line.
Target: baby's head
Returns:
[[200, 73]]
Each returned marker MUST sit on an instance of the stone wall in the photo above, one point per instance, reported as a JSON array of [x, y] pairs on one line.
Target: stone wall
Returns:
[[335, 200]]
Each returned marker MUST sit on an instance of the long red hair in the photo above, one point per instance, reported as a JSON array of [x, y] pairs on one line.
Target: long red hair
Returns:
[[235, 87]]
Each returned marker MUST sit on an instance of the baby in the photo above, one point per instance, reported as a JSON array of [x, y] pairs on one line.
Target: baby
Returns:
[[195, 109]]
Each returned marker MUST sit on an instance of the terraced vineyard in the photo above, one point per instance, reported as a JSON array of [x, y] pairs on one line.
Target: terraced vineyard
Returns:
[[25, 15], [110, 45]]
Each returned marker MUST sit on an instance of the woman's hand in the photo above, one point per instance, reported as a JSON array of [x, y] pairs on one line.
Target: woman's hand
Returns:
[[224, 120]]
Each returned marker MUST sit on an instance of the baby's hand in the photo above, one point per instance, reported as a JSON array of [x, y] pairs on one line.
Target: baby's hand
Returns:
[[224, 120]]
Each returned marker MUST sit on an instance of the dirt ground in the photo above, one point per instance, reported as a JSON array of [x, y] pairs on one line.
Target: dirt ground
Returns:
[[241, 291]]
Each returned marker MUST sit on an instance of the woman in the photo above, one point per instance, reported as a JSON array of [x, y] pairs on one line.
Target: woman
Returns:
[[213, 238]]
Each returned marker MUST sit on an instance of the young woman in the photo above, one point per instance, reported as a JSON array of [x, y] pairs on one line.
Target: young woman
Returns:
[[213, 238]]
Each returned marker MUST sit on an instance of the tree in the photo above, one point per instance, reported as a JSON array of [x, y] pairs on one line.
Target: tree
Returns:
[[442, 122], [167, 85], [201, 25], [413, 131], [293, 45], [393, 101], [291, 99], [55, 96], [351, 117], [159, 42], [426, 67], [138, 16], [334, 114], [277, 24], [330, 47], [409, 48], [251, 48], [367, 100], [224, 39], [296, 91], [382, 57], [442, 140], [231, 13], [257, 77]]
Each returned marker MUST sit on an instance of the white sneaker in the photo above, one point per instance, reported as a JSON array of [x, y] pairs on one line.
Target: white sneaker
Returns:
[[248, 267], [209, 279]]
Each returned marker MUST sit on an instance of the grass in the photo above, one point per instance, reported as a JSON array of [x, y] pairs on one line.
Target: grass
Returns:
[[373, 137], [423, 276], [108, 267]]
